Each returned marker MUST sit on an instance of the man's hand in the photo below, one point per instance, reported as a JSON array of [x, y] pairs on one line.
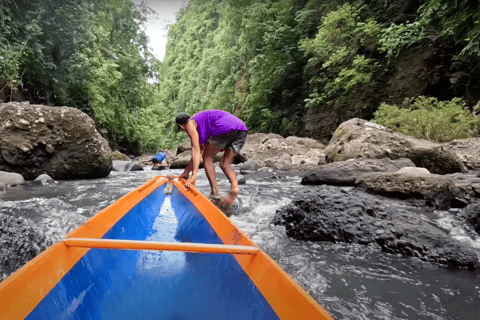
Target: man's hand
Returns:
[[185, 175], [191, 181]]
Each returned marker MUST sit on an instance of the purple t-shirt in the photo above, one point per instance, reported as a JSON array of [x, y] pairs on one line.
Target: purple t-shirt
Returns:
[[213, 123]]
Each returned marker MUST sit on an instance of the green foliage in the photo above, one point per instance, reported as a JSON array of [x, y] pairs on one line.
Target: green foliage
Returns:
[[232, 55], [265, 61], [459, 19], [335, 64], [268, 39], [91, 55], [428, 118], [398, 37], [18, 45]]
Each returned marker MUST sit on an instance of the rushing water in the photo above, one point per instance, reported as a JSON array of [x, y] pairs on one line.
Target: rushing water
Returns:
[[349, 281]]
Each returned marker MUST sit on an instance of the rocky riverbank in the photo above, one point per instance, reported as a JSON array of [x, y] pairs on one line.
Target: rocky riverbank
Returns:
[[391, 186], [372, 165]]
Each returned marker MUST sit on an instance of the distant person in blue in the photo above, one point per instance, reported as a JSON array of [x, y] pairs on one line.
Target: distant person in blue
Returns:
[[159, 158]]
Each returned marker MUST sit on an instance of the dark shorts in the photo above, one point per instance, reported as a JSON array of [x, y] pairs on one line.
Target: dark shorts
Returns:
[[233, 140]]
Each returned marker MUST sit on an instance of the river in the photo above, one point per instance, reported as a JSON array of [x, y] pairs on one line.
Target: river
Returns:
[[349, 281]]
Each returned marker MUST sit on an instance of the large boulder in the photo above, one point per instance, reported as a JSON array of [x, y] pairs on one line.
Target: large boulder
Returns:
[[358, 138], [333, 214], [11, 178], [346, 173], [182, 160], [59, 141], [272, 150]]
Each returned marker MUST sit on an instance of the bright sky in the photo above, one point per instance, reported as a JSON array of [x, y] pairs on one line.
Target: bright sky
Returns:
[[157, 25]]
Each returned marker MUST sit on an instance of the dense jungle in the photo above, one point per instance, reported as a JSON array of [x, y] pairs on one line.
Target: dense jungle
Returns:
[[292, 67]]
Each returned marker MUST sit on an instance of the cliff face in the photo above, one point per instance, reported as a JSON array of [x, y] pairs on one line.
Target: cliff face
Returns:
[[433, 69]]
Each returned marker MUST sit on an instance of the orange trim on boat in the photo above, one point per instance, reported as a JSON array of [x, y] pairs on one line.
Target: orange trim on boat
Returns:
[[277, 287], [50, 266], [160, 246]]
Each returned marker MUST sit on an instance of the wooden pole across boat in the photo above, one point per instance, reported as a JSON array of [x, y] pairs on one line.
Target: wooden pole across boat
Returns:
[[161, 246]]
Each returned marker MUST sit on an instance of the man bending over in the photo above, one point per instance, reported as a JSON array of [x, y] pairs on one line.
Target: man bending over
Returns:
[[210, 132]]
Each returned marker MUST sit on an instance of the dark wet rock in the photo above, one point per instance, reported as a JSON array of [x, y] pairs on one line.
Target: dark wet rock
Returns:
[[472, 215], [136, 166], [185, 146], [241, 179], [20, 242], [348, 215], [459, 202], [439, 190], [59, 141], [126, 166], [11, 178], [346, 173], [358, 138]]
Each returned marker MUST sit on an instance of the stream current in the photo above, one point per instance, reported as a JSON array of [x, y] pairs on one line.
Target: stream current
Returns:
[[349, 281]]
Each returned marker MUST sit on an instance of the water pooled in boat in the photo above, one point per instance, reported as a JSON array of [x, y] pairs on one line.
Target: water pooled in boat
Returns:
[[165, 229]]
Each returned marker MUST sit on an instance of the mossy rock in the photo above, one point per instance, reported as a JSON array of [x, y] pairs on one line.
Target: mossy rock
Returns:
[[117, 155]]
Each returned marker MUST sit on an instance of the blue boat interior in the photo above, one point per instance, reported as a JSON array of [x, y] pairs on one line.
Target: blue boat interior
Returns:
[[134, 284]]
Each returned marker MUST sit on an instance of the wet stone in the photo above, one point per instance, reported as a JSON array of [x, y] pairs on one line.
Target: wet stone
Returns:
[[323, 213]]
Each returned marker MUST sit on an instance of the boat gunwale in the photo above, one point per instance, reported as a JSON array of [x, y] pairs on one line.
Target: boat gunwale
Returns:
[[277, 287]]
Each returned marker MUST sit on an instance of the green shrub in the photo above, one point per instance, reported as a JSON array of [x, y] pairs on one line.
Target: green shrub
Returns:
[[428, 118], [395, 38]]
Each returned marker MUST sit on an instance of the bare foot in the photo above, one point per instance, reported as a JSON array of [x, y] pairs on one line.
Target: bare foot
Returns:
[[215, 198], [230, 199]]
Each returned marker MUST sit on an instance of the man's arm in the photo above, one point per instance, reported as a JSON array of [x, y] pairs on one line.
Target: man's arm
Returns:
[[196, 152], [186, 173]]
